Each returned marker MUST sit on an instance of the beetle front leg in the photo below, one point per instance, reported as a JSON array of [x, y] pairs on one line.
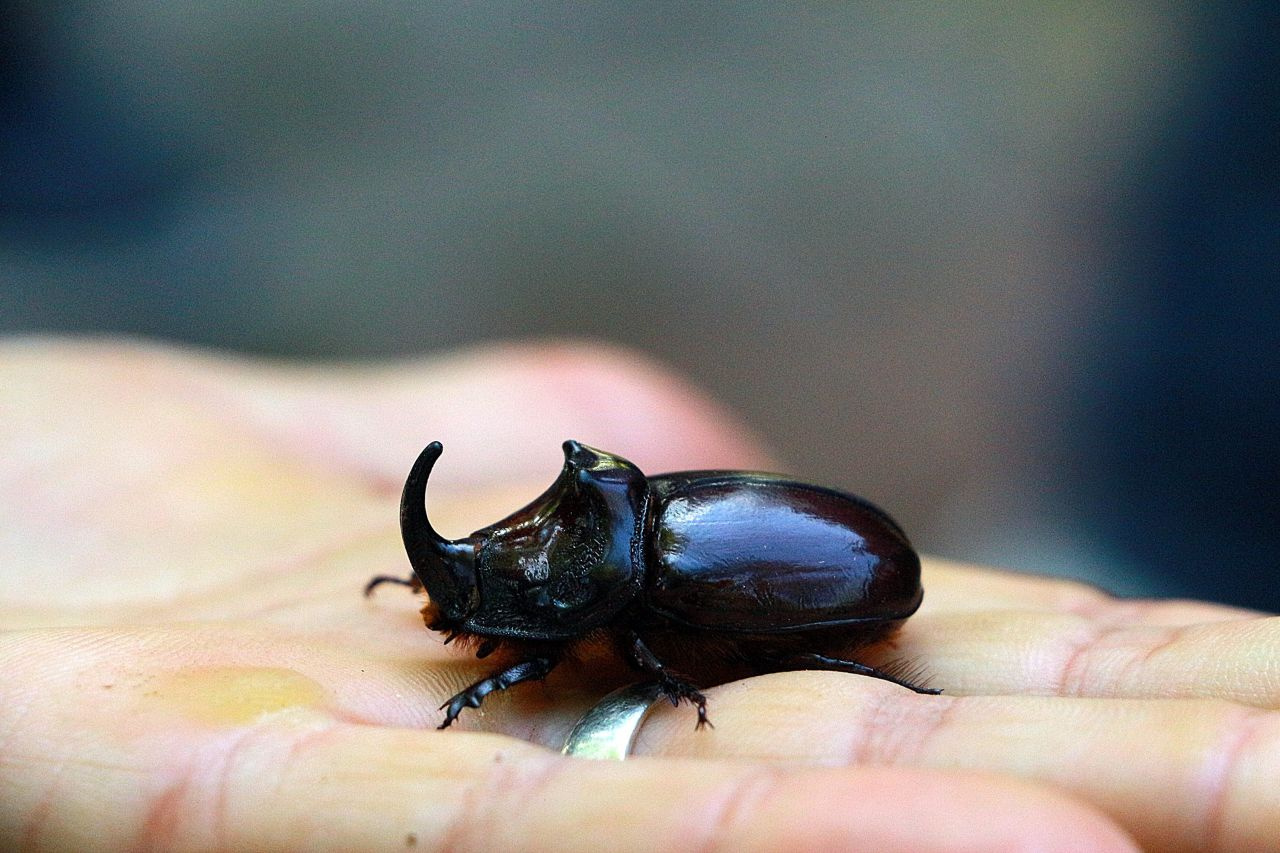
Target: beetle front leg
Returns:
[[534, 669], [674, 687], [412, 582]]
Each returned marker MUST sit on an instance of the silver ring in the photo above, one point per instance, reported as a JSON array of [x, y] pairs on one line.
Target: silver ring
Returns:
[[608, 731]]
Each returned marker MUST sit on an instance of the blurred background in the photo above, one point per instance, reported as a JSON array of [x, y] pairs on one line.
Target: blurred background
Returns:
[[1010, 272]]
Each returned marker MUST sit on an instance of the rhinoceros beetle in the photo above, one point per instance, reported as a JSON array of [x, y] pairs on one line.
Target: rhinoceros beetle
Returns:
[[682, 572]]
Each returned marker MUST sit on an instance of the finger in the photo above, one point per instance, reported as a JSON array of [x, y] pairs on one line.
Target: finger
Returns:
[[958, 587], [353, 789], [1062, 654], [279, 787], [1190, 774], [227, 758]]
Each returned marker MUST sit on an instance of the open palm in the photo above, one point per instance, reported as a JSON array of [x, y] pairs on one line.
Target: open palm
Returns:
[[188, 661]]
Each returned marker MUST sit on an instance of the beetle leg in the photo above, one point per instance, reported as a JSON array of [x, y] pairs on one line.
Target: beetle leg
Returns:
[[674, 687], [411, 582], [813, 660], [534, 669]]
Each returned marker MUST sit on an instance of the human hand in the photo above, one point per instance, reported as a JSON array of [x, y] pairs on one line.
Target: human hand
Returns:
[[189, 662]]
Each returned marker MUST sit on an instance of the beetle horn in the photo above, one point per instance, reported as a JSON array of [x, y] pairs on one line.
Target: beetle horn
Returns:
[[446, 568]]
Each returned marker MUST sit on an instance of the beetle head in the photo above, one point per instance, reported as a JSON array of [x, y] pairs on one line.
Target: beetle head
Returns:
[[553, 570], [572, 558]]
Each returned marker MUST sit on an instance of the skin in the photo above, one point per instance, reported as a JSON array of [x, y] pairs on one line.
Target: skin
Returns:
[[189, 663]]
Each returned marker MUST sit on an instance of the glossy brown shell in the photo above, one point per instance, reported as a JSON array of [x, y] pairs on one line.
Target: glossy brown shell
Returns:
[[758, 553]]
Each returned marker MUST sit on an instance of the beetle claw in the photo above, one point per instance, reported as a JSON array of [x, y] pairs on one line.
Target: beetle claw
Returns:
[[533, 669], [677, 690]]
